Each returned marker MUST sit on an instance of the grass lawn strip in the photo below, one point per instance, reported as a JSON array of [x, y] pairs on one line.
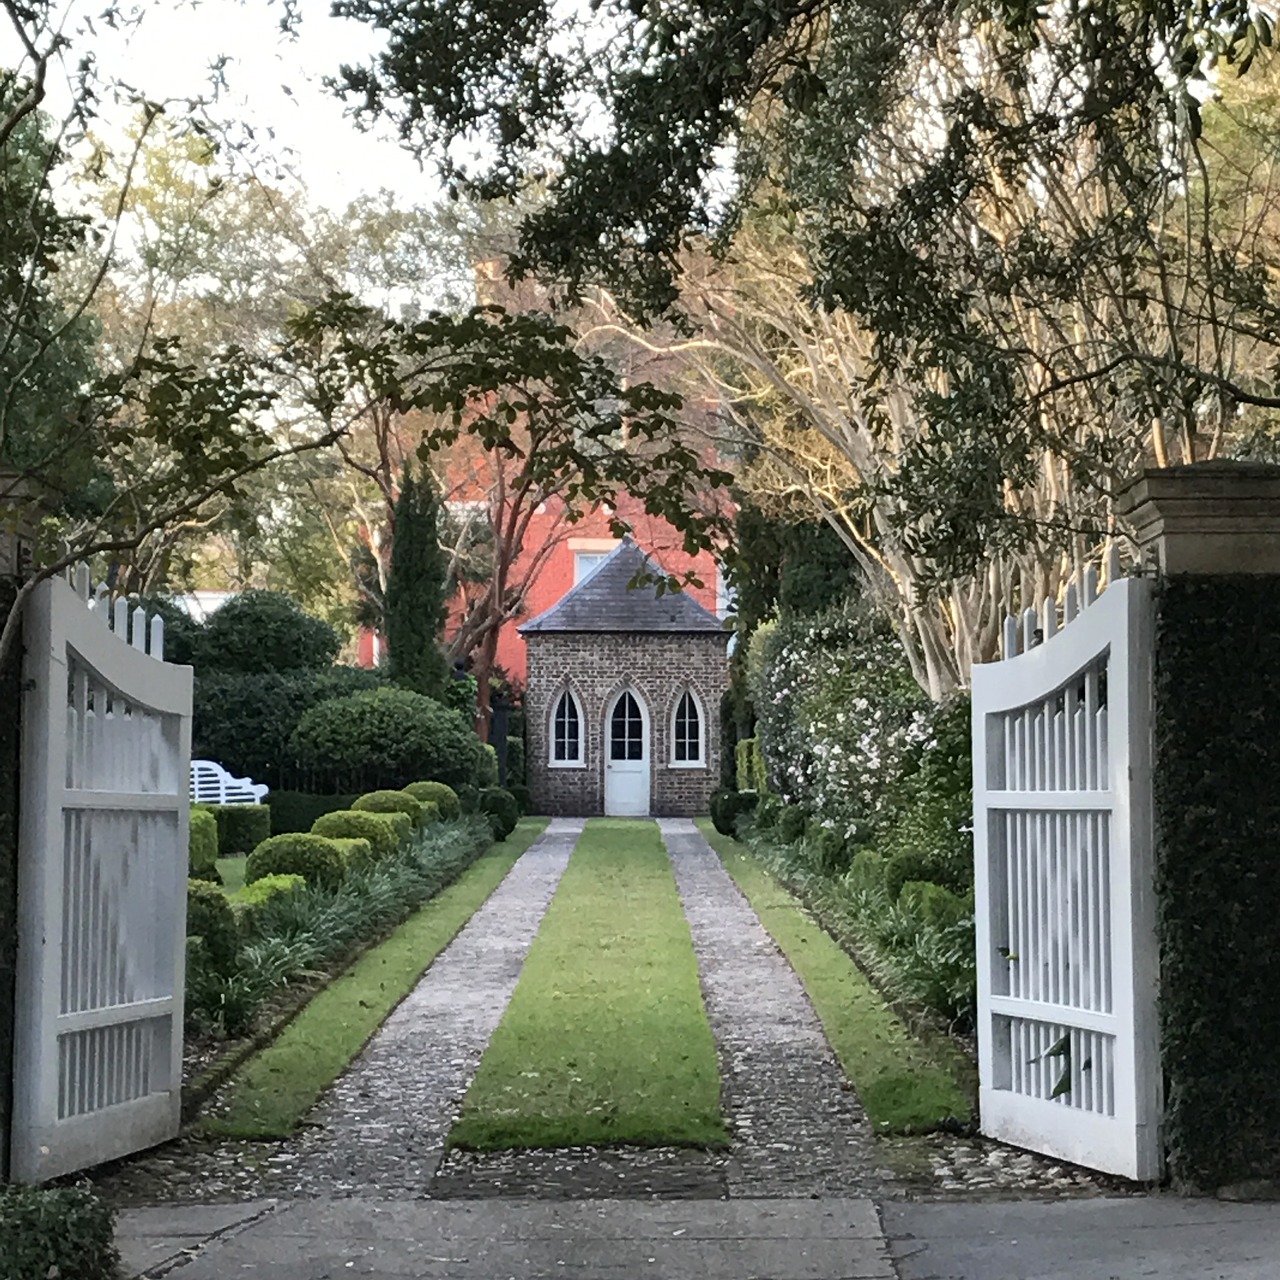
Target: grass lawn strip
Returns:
[[897, 1080], [605, 1039], [276, 1088], [232, 872]]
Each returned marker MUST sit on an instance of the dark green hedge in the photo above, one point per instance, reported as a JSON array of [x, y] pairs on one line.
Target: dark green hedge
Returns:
[[1217, 797], [56, 1231], [241, 827], [298, 810]]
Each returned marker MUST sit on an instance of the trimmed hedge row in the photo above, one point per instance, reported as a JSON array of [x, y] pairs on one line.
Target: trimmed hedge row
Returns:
[[298, 810]]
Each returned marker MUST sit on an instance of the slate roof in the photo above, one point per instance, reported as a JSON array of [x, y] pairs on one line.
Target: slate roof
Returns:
[[603, 602]]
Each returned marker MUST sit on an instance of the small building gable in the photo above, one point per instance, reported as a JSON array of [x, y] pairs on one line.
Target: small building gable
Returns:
[[623, 697]]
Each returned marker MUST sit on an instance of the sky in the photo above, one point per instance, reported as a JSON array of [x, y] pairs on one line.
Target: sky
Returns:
[[273, 84]]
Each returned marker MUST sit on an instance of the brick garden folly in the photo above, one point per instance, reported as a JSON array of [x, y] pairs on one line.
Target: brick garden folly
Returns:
[[623, 697]]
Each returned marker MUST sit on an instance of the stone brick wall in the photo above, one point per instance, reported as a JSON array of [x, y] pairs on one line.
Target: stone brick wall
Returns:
[[658, 668]]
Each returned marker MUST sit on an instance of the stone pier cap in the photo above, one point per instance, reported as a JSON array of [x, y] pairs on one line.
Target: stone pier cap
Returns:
[[1209, 517]]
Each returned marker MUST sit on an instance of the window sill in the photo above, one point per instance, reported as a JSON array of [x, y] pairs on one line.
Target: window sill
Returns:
[[687, 764], [566, 764]]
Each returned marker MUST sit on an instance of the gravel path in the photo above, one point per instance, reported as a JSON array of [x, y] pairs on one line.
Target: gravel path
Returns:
[[798, 1128], [381, 1129]]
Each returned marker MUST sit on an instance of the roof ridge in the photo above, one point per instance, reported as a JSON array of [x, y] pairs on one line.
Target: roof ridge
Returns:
[[603, 600]]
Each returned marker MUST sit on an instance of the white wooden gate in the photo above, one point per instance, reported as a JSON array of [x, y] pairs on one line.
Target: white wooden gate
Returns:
[[1068, 1038], [102, 866]]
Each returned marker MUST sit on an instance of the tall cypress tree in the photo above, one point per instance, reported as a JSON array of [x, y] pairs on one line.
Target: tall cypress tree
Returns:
[[416, 590]]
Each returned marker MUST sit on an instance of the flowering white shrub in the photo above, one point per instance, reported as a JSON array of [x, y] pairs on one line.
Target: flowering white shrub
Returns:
[[837, 711]]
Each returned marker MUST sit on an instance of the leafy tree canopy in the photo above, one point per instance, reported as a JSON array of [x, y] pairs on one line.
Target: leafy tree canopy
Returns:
[[623, 111]]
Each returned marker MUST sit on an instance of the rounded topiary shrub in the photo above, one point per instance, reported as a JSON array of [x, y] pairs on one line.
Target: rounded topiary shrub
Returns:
[[909, 865], [317, 860], [728, 806], [933, 903], [866, 871], [486, 770], [439, 792], [353, 824], [500, 807], [390, 802], [831, 854], [258, 631], [249, 902], [468, 797], [524, 797], [386, 738], [357, 852], [790, 824], [202, 845], [209, 916], [241, 827]]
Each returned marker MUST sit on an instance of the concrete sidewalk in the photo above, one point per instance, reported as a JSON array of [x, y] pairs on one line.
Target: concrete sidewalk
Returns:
[[503, 1239], [793, 1239], [1164, 1237]]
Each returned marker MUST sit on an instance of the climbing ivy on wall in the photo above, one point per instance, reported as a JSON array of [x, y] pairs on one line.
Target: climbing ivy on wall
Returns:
[[1217, 796], [9, 747]]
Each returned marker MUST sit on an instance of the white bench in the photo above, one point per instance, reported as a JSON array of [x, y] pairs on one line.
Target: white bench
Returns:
[[212, 784]]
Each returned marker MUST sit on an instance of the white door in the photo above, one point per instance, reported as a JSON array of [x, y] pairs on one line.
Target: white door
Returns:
[[626, 764]]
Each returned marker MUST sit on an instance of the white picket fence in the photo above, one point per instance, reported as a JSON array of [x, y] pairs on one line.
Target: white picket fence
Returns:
[[102, 865], [1067, 960]]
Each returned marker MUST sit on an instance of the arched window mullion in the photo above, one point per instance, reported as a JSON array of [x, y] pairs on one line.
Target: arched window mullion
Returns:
[[566, 731], [688, 734]]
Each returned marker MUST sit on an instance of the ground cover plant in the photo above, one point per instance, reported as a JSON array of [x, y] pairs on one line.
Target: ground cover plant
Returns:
[[276, 1088], [605, 1039], [898, 1080]]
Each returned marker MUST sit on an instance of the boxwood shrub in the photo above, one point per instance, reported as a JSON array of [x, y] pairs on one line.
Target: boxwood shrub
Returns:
[[63, 1232], [728, 806], [499, 805], [443, 795], [209, 916], [390, 802], [317, 860], [241, 827], [249, 902], [486, 770], [346, 824], [524, 797], [468, 797], [790, 824], [386, 738], [357, 851]]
